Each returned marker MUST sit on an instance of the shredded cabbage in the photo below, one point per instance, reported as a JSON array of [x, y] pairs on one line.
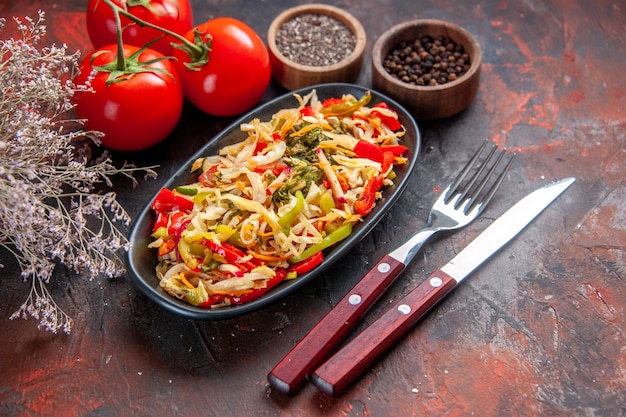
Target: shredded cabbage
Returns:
[[232, 242]]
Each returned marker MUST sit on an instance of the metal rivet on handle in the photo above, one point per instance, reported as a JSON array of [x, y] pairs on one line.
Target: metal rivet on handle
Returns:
[[404, 309], [384, 267], [436, 282], [354, 299]]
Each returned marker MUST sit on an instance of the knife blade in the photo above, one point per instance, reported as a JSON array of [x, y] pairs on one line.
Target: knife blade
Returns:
[[346, 365]]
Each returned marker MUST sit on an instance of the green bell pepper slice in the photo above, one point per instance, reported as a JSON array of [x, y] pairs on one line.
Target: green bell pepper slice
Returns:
[[338, 235], [286, 219]]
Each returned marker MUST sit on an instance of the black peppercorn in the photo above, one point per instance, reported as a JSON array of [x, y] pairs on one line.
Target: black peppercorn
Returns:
[[427, 61]]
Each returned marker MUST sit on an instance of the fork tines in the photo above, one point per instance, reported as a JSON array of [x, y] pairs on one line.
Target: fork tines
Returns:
[[469, 190]]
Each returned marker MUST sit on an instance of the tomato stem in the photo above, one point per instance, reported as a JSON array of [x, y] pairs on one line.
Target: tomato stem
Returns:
[[142, 3], [197, 50], [121, 61]]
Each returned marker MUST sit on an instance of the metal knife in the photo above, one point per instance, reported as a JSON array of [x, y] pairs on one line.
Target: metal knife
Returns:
[[345, 366]]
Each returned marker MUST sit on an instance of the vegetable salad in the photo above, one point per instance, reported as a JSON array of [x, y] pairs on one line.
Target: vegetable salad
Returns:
[[264, 210]]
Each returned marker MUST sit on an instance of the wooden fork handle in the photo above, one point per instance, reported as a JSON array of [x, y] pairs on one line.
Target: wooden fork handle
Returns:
[[290, 373], [343, 368]]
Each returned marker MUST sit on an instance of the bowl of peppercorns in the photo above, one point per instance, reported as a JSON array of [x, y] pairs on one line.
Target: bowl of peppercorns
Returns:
[[314, 44], [430, 66]]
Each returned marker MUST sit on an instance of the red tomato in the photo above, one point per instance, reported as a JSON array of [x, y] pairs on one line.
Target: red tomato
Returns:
[[173, 15], [135, 113], [238, 71]]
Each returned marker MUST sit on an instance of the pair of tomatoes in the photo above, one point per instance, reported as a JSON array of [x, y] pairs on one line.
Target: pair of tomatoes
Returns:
[[138, 110]]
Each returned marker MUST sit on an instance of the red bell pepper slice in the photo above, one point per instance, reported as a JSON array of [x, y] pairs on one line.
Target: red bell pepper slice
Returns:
[[280, 275], [276, 168], [391, 122], [365, 204], [259, 147], [307, 265], [207, 178], [332, 101], [388, 159], [397, 150], [366, 149], [341, 107], [161, 220], [307, 111], [213, 299], [176, 222], [168, 201], [231, 254]]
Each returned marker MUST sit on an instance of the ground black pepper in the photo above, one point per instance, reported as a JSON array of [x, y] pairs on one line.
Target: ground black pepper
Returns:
[[315, 40], [427, 61]]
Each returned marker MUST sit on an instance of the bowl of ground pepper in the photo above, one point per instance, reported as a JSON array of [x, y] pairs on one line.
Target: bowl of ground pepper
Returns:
[[314, 44], [430, 66]]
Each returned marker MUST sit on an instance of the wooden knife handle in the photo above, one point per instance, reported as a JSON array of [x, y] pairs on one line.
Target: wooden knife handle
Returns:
[[343, 368], [290, 373]]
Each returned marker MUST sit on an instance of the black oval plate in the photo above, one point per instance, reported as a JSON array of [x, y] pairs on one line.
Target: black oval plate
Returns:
[[142, 261]]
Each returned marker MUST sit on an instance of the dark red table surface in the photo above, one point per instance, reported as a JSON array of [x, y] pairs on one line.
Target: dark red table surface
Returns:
[[539, 330]]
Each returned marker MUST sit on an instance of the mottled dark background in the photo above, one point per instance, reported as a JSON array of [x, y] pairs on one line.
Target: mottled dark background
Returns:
[[539, 330]]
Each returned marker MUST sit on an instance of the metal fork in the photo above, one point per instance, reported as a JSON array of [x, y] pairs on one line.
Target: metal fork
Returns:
[[460, 203]]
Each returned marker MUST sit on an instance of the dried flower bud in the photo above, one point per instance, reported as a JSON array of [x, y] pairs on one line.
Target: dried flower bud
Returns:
[[47, 184]]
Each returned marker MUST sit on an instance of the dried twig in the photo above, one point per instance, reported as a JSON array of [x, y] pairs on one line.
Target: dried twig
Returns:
[[50, 208]]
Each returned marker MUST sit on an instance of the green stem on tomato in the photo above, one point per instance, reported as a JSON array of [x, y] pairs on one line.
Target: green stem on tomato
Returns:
[[142, 3], [197, 50], [121, 61]]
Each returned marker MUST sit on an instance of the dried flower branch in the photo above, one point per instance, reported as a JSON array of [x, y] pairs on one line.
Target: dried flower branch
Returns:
[[50, 208]]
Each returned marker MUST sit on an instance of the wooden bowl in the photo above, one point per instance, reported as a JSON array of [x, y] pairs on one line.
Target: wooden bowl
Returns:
[[428, 102], [292, 75]]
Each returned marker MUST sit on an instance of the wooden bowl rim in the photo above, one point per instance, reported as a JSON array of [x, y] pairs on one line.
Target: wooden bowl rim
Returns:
[[383, 40], [343, 16]]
